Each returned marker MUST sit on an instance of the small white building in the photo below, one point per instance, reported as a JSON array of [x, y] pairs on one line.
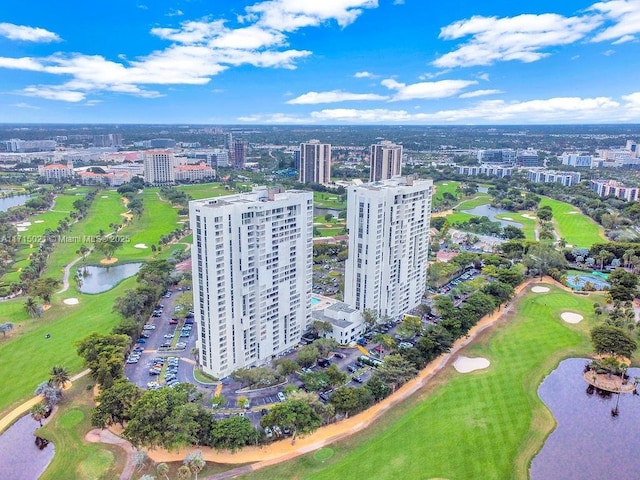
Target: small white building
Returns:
[[348, 323]]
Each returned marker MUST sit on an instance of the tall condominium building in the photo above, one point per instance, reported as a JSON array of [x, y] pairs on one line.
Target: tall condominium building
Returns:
[[159, 167], [239, 153], [386, 161], [252, 270], [315, 162], [388, 224]]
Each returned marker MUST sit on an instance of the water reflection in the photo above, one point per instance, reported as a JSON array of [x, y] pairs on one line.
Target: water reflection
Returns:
[[491, 212], [13, 201], [21, 458], [590, 442], [100, 279]]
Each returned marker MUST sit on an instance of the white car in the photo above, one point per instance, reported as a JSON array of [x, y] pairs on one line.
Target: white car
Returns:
[[281, 396]]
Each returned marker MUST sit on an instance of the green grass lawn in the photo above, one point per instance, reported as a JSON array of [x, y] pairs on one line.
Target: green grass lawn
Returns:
[[328, 200], [449, 186], [329, 229], [528, 224], [205, 190], [26, 357], [74, 457], [62, 206], [102, 213], [487, 424], [577, 229]]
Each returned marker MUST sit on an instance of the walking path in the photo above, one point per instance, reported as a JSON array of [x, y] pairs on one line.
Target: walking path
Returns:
[[284, 450], [22, 409], [106, 436], [65, 277]]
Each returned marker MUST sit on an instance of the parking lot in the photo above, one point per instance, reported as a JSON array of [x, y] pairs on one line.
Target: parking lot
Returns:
[[153, 362]]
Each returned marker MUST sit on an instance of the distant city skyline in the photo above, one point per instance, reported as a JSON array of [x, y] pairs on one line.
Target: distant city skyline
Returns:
[[321, 62]]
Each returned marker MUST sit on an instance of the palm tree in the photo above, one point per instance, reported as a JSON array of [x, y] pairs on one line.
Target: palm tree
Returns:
[[32, 307], [163, 469], [59, 376], [184, 472], [195, 462], [38, 412]]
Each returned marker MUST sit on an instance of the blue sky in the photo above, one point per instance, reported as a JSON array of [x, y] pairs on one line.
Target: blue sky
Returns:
[[320, 61]]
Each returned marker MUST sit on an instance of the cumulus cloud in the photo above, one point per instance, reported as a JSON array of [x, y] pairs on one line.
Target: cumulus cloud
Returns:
[[426, 90], [200, 49], [313, 98], [625, 16], [27, 34], [480, 93], [524, 37], [363, 75]]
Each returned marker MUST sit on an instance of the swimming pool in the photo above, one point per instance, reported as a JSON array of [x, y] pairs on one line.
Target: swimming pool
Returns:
[[315, 301]]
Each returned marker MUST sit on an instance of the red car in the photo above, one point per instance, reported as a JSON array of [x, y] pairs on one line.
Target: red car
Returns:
[[173, 321]]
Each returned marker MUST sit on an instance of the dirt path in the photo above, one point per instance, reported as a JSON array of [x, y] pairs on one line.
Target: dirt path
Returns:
[[283, 450], [24, 408], [65, 277]]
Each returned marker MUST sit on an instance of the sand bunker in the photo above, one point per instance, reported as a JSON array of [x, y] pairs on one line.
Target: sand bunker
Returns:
[[104, 196], [21, 229], [467, 364], [110, 261], [571, 317], [140, 245], [444, 184], [23, 224], [71, 301], [573, 212], [507, 218], [530, 217], [540, 289], [39, 221]]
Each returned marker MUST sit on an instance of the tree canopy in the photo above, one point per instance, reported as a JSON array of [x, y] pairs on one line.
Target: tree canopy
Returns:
[[610, 340]]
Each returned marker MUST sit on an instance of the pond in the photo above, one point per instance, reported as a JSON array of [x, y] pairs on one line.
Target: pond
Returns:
[[321, 212], [491, 212], [588, 442], [21, 459], [101, 279], [8, 202]]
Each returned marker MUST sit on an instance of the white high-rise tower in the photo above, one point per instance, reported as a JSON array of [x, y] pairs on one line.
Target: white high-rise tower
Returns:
[[252, 270], [388, 224]]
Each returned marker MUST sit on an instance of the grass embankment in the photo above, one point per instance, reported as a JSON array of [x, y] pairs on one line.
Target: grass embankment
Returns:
[[487, 424], [26, 356], [459, 216], [62, 207], [576, 228], [74, 457]]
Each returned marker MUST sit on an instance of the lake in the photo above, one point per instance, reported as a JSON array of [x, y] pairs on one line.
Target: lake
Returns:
[[491, 212], [588, 442], [101, 279], [321, 212], [14, 201], [21, 459]]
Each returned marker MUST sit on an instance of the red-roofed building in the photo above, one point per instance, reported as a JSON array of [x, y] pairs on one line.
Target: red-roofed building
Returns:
[[56, 172], [113, 179], [444, 256], [190, 173]]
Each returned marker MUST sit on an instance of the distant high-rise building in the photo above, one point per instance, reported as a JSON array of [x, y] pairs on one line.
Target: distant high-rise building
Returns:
[[162, 143], [252, 260], [109, 140], [505, 155], [220, 157], [386, 161], [528, 158], [159, 167], [633, 148], [315, 162], [388, 224], [24, 146], [239, 155]]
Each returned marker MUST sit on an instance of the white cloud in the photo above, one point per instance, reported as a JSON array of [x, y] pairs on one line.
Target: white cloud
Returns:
[[560, 109], [174, 13], [313, 98], [608, 53], [625, 14], [480, 93], [27, 34], [426, 90], [523, 37], [363, 75], [483, 76], [200, 50], [281, 118], [624, 39], [291, 15], [25, 105]]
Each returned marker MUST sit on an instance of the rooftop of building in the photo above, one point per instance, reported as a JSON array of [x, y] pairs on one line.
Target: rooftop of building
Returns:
[[258, 195], [395, 182]]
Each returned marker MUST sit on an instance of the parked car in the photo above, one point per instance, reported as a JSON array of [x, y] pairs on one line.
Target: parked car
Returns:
[[281, 396], [268, 432]]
